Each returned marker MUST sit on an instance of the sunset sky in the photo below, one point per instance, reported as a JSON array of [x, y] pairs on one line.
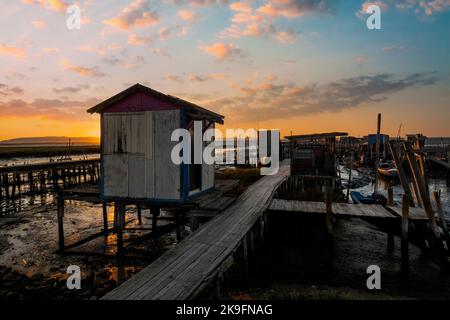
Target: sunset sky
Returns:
[[298, 65]]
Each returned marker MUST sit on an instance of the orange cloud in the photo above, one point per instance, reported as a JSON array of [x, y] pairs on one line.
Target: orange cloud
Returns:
[[188, 15], [39, 24], [221, 51], [57, 5], [135, 40], [83, 71], [137, 14], [12, 51]]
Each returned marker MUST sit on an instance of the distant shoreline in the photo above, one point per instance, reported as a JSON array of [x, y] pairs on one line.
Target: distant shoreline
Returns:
[[35, 151]]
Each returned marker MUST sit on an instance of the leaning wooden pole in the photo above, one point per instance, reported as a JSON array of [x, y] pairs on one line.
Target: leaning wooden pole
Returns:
[[422, 188], [401, 173], [377, 155]]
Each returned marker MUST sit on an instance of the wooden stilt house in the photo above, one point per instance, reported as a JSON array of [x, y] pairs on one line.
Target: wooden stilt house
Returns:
[[136, 146]]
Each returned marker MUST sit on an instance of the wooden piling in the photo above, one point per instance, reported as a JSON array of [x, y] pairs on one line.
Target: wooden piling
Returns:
[[119, 213], [404, 234], [401, 173], [139, 213], [419, 181], [390, 197], [105, 217], [60, 212], [440, 211], [329, 219], [155, 212]]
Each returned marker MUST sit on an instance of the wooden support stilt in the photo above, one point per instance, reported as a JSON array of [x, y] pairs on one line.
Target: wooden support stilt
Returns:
[[194, 223], [6, 185], [139, 213], [177, 223], [60, 212], [404, 234], [119, 213], [105, 217], [329, 219], [443, 222], [390, 197], [245, 256], [155, 211]]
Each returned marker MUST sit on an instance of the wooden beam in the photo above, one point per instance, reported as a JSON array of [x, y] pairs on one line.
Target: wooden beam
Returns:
[[60, 212], [422, 188], [401, 173]]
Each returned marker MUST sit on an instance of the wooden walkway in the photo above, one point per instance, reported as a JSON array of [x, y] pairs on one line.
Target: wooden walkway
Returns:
[[183, 272], [338, 209]]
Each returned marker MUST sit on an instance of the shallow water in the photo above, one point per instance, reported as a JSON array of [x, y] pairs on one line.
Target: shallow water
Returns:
[[438, 185], [33, 160]]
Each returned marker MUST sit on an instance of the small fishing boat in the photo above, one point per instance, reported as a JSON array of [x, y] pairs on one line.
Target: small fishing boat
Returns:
[[387, 171], [359, 198]]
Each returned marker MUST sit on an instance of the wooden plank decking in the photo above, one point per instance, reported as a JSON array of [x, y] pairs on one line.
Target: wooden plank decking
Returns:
[[181, 273], [339, 209], [415, 213]]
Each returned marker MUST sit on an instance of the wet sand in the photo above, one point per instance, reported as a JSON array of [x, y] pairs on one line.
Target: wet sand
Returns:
[[30, 268]]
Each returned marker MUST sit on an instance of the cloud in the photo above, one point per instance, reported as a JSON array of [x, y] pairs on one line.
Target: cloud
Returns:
[[160, 52], [39, 24], [211, 76], [83, 71], [56, 109], [280, 101], [55, 5], [6, 90], [221, 51], [419, 7], [360, 60], [260, 21], [12, 51], [363, 11], [175, 78], [50, 50], [136, 14], [430, 7], [393, 48], [188, 15], [199, 3], [164, 33], [296, 8], [71, 89], [136, 40]]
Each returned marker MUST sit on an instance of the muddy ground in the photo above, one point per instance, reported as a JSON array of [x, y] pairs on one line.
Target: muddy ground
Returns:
[[298, 265], [30, 268]]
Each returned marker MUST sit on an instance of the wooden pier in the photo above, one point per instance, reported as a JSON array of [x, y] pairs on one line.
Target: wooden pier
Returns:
[[204, 256], [31, 179]]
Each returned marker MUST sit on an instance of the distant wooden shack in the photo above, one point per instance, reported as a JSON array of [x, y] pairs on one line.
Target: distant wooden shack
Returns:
[[136, 146], [314, 153]]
